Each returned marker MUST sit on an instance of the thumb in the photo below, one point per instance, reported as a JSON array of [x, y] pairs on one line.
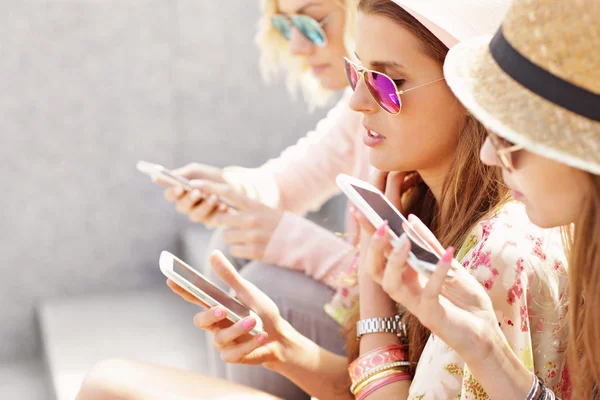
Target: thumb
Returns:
[[243, 289]]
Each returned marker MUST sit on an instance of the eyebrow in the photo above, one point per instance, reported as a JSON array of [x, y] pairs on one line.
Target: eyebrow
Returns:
[[383, 64]]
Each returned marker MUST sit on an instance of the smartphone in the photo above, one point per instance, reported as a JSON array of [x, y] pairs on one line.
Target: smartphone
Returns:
[[377, 208], [156, 171], [204, 290]]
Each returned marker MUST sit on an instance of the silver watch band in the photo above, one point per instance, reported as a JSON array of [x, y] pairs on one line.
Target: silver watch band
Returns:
[[381, 325]]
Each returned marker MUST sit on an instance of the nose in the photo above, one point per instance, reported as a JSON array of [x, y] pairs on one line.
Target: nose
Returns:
[[361, 100], [488, 154], [299, 44]]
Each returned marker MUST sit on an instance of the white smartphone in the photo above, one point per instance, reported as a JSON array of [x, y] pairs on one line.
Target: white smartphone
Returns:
[[156, 171], [377, 208], [204, 290]]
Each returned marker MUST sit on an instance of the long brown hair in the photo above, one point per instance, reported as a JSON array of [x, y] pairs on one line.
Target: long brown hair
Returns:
[[471, 190], [584, 297]]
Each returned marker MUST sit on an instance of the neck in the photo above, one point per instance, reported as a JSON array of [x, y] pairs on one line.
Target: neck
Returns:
[[434, 179]]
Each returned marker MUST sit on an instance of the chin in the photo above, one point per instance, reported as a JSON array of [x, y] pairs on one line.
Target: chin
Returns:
[[333, 83], [381, 161], [541, 219]]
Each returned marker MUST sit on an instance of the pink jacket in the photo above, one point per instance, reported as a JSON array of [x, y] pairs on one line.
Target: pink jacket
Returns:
[[302, 179]]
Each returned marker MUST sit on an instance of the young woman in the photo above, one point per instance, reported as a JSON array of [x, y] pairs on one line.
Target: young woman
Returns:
[[454, 188], [536, 86]]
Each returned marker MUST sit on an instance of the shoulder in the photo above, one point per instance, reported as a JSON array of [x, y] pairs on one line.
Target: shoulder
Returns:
[[509, 247]]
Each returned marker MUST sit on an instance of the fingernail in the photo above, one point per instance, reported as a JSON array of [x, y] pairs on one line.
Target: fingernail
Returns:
[[178, 191], [382, 229], [218, 313], [213, 198], [447, 257], [261, 338], [195, 195], [248, 323]]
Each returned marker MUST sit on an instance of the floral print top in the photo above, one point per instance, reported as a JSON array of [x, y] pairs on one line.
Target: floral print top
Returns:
[[523, 269]]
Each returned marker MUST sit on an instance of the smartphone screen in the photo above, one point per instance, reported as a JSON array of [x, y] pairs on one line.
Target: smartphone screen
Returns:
[[395, 221], [210, 289]]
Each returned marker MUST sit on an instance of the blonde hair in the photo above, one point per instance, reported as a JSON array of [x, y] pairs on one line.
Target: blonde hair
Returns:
[[275, 54]]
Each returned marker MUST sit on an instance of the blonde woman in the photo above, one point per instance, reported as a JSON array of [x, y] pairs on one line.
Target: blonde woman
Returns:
[[293, 260]]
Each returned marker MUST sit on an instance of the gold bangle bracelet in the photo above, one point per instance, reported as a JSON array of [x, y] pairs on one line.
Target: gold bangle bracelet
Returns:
[[376, 377], [398, 365]]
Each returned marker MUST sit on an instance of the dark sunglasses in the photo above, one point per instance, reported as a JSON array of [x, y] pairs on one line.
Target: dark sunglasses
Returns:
[[382, 88], [309, 27]]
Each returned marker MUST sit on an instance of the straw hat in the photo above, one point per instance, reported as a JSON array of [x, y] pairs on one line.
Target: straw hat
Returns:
[[453, 21], [537, 82]]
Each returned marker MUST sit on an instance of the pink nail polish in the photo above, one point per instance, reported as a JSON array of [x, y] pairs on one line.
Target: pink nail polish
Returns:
[[218, 313], [447, 257], [381, 230], [261, 338], [248, 323]]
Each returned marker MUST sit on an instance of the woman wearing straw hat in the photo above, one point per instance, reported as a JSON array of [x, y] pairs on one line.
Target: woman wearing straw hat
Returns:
[[536, 86]]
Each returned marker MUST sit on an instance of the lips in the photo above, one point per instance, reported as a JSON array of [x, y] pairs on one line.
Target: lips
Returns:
[[372, 138], [317, 69]]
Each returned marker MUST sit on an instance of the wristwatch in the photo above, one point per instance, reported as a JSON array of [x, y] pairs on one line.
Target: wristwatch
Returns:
[[381, 325]]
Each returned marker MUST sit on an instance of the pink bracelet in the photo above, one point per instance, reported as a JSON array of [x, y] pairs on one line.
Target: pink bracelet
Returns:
[[378, 384], [376, 358]]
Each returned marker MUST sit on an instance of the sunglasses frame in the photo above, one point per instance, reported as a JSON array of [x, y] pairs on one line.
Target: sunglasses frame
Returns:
[[289, 19], [362, 71], [504, 152]]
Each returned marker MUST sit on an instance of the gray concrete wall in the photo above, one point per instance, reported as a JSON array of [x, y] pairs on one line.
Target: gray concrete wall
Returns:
[[87, 87]]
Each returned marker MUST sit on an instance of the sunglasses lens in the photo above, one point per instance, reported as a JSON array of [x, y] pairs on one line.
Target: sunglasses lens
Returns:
[[383, 91], [351, 74], [282, 26], [310, 29]]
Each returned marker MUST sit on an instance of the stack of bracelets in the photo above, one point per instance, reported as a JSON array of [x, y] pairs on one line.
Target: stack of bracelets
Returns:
[[378, 368], [539, 391]]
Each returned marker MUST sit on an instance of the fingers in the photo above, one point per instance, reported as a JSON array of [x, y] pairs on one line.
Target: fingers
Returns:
[[227, 272], [426, 234], [185, 294], [191, 171], [376, 258], [393, 188], [436, 280], [224, 337], [185, 204], [225, 191], [236, 354], [174, 193], [204, 210], [399, 281], [378, 179], [212, 320], [362, 221]]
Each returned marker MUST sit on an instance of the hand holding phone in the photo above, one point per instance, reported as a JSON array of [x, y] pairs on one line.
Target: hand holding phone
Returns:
[[205, 291], [159, 173], [377, 209]]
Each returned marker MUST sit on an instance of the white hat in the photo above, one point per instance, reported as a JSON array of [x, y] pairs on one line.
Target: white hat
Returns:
[[453, 21], [537, 83]]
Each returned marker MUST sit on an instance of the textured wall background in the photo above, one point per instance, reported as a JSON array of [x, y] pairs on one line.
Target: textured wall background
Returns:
[[87, 87]]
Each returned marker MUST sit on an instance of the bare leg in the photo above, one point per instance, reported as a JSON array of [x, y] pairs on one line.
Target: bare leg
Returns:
[[131, 380]]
